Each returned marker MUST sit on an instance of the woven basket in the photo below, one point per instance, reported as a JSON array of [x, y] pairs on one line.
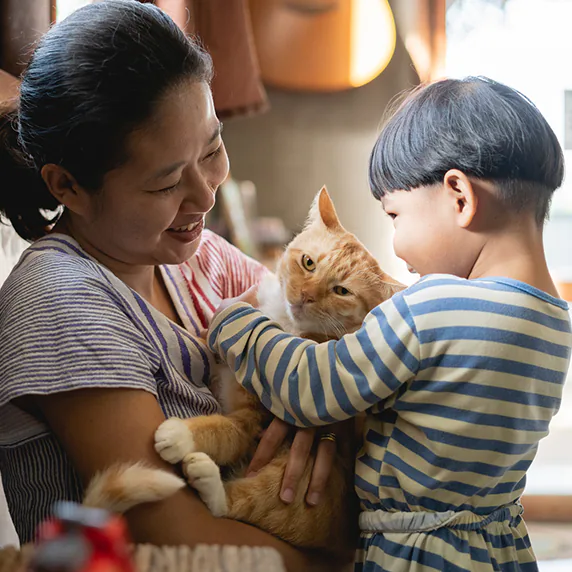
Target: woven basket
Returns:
[[202, 558]]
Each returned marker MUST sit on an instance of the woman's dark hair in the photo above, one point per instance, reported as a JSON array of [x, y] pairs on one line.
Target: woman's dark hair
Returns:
[[481, 127], [92, 79]]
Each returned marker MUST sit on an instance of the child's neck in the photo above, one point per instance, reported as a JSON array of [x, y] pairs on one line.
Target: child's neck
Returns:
[[517, 252]]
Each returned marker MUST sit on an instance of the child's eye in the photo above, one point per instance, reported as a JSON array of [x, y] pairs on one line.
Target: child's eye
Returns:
[[341, 291], [308, 263]]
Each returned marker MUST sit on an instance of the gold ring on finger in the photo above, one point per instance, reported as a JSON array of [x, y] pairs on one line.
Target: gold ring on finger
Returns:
[[328, 437]]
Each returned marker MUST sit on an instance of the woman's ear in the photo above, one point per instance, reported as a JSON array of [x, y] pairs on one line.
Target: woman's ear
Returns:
[[461, 192], [64, 187]]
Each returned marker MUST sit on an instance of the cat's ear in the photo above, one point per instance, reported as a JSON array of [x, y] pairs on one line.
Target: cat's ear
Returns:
[[324, 212]]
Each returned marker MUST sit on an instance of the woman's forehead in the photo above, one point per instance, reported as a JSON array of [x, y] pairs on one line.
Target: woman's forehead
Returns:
[[183, 124]]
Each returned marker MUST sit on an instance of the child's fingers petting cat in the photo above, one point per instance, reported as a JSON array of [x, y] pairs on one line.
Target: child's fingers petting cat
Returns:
[[270, 442], [297, 460], [250, 297]]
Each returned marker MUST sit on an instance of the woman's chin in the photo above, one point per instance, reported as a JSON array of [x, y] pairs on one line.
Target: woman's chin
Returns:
[[179, 255]]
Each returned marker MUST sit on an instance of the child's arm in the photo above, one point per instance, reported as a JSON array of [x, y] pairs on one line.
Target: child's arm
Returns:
[[309, 384]]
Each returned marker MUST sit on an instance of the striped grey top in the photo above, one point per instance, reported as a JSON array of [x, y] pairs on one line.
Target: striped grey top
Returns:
[[66, 322]]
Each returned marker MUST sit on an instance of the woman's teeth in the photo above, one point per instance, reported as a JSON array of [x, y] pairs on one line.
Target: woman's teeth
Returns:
[[187, 228]]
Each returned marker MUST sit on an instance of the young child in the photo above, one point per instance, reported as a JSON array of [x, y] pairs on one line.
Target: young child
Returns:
[[459, 374]]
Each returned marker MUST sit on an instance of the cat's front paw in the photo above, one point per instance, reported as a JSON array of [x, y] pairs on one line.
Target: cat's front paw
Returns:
[[173, 440], [203, 474]]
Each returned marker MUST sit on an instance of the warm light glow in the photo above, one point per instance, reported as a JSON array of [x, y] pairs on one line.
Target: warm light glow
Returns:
[[372, 40], [420, 54], [177, 10], [65, 7]]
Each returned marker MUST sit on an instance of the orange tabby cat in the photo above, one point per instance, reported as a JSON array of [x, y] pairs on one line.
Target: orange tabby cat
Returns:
[[326, 282]]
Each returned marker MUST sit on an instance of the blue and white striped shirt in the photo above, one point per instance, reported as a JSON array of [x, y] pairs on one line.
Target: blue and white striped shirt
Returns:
[[459, 380]]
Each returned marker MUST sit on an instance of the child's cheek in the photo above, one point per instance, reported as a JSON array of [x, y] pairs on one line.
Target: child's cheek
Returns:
[[398, 243], [406, 244]]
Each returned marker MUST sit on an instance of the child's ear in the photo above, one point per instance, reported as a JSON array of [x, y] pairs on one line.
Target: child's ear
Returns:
[[462, 194]]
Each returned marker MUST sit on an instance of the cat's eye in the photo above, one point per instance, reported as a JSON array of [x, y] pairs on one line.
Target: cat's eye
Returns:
[[341, 291], [308, 263]]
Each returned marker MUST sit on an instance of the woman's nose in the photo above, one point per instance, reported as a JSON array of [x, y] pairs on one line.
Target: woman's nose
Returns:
[[200, 198]]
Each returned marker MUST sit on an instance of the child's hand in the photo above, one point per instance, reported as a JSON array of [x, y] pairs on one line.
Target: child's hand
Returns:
[[250, 297], [299, 455]]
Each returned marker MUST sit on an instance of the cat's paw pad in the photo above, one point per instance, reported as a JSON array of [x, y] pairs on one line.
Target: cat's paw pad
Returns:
[[173, 440], [203, 474]]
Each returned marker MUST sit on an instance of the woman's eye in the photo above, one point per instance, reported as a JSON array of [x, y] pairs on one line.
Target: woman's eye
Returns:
[[341, 291], [308, 263], [214, 153], [168, 189], [391, 215]]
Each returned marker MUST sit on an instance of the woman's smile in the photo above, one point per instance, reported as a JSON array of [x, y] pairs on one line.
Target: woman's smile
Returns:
[[188, 233]]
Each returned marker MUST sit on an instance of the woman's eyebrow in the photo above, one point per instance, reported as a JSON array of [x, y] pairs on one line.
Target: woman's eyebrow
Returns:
[[166, 171]]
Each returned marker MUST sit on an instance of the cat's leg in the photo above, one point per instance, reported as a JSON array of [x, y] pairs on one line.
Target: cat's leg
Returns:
[[225, 438], [203, 475], [173, 440], [256, 501]]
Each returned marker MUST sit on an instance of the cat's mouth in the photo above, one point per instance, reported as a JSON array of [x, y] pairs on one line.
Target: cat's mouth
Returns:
[[313, 324], [297, 311], [305, 316]]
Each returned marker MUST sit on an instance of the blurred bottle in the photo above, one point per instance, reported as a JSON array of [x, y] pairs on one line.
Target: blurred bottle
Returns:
[[81, 539]]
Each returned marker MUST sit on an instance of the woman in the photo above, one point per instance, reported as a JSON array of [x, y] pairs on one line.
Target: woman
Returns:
[[100, 321]]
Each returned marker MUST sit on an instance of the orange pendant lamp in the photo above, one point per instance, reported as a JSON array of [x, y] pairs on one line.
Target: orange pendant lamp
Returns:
[[322, 45]]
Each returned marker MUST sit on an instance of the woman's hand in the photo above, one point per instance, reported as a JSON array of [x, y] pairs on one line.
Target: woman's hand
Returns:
[[299, 455], [250, 296]]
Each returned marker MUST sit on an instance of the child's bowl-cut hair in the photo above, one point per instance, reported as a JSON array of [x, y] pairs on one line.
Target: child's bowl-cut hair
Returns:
[[485, 129]]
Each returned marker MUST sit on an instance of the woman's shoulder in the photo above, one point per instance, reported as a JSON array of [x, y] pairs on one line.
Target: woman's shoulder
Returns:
[[214, 246], [225, 266], [57, 250], [50, 268]]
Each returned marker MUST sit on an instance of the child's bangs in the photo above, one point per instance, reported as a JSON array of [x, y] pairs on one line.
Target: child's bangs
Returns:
[[395, 160]]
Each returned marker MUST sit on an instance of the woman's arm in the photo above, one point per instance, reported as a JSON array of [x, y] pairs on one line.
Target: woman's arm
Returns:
[[100, 427], [309, 384]]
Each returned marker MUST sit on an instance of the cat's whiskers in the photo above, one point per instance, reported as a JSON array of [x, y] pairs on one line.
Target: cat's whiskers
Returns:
[[333, 324], [321, 319]]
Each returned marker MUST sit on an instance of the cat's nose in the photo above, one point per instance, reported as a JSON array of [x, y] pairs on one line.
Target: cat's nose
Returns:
[[306, 298]]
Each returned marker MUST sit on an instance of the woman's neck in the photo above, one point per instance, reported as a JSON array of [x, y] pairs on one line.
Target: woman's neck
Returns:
[[142, 279], [147, 281]]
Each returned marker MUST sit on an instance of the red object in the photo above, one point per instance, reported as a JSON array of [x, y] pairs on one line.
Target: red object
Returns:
[[80, 539]]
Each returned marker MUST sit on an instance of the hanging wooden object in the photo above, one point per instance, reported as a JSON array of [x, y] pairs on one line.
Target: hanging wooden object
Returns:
[[322, 45]]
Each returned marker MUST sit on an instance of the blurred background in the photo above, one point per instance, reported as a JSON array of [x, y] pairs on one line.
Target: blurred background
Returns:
[[302, 85]]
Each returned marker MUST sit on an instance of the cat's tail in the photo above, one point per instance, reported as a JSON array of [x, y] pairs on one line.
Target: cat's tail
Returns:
[[121, 487]]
